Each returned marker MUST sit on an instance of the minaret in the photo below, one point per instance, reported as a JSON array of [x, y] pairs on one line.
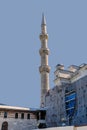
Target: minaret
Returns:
[[44, 68]]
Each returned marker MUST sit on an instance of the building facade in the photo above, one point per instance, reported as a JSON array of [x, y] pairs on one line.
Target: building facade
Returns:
[[19, 118], [64, 104], [66, 101]]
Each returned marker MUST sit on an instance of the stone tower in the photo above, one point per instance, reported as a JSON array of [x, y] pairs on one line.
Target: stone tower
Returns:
[[44, 68]]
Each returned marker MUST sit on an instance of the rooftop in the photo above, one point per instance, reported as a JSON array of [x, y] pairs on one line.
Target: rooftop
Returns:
[[3, 106], [73, 73]]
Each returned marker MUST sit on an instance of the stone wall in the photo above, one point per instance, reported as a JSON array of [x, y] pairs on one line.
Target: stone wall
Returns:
[[81, 102], [19, 124], [11, 114], [55, 103]]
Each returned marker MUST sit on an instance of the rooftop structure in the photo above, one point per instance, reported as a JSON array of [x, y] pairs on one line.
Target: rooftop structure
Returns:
[[70, 75]]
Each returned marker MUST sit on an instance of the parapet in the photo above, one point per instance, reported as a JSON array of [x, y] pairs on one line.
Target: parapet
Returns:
[[70, 75], [60, 66], [73, 68]]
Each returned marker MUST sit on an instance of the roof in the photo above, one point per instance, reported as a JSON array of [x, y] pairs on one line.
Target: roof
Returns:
[[16, 108], [2, 106], [39, 109]]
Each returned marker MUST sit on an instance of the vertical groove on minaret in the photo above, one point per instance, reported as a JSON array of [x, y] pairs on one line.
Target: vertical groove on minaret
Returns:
[[44, 68]]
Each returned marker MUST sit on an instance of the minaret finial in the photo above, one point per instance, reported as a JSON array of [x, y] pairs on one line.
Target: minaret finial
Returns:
[[43, 19], [43, 25]]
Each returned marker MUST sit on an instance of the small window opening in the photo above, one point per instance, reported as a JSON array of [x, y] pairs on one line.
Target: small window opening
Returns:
[[22, 116], [5, 114], [28, 116], [16, 115]]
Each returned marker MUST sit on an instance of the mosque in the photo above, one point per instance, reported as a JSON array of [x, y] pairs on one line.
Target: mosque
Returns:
[[66, 101], [64, 104]]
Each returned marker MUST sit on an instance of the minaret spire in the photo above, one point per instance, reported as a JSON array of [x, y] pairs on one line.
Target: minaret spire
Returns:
[[43, 20], [44, 68], [43, 25]]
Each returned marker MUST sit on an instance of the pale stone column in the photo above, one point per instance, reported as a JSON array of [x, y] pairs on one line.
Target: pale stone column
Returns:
[[44, 68]]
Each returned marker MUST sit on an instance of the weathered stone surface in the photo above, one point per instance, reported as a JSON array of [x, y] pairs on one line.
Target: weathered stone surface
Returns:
[[19, 124], [55, 102]]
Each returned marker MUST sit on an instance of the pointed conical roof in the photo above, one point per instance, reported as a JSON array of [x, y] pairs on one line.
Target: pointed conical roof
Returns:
[[43, 20]]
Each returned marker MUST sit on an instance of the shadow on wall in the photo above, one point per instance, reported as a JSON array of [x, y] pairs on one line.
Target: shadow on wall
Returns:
[[42, 125]]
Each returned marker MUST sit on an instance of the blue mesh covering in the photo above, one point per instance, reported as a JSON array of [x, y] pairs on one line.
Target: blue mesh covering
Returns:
[[70, 112], [70, 103], [70, 97]]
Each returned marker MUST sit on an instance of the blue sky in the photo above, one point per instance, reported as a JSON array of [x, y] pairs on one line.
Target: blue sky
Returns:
[[20, 22]]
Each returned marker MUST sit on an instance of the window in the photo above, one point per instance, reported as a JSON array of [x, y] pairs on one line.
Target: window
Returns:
[[22, 115], [16, 115], [4, 126], [70, 97], [42, 115], [70, 102], [5, 114], [70, 112], [28, 116]]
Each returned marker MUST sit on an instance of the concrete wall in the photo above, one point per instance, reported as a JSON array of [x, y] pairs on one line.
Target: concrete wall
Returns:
[[81, 128]]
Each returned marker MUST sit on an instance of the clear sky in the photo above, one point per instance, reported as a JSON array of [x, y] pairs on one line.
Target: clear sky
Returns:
[[20, 22]]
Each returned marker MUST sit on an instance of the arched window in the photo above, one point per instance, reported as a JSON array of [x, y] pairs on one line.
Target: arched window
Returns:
[[4, 126], [28, 116], [16, 115], [5, 114], [22, 115], [42, 125]]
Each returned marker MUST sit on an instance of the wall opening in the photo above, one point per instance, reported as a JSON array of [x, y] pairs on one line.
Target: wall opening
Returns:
[[4, 126]]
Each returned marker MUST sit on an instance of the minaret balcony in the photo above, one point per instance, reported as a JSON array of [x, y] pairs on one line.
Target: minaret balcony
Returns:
[[44, 68], [43, 37], [42, 51]]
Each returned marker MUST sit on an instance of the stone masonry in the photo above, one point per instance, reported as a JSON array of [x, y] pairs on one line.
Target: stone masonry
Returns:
[[44, 68], [55, 99], [18, 118], [19, 124]]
